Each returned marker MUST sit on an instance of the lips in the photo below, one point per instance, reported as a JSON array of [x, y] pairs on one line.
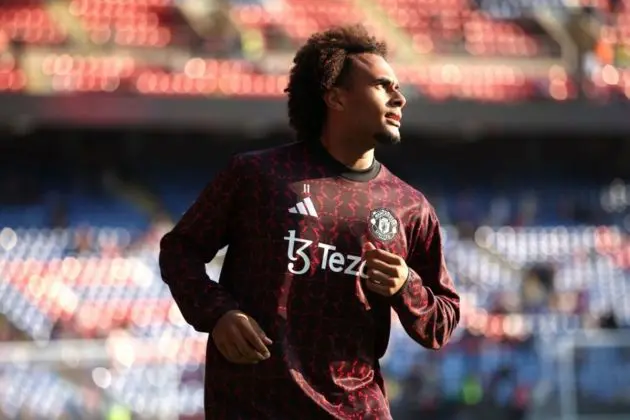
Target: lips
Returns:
[[393, 117]]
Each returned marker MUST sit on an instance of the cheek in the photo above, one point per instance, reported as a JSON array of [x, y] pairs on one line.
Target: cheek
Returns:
[[373, 106], [367, 108]]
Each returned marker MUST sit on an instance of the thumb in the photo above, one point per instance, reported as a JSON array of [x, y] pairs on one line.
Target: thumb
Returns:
[[260, 332], [369, 246]]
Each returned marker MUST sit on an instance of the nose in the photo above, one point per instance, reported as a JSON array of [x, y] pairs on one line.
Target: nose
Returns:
[[398, 99]]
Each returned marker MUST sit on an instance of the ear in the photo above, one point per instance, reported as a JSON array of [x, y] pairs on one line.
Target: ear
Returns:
[[335, 99]]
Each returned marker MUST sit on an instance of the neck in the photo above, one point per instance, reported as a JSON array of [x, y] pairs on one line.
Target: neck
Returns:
[[348, 151]]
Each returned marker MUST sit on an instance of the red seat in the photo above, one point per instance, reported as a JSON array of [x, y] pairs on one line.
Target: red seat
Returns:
[[129, 23]]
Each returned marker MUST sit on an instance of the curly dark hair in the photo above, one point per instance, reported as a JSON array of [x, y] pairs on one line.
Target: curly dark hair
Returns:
[[322, 63]]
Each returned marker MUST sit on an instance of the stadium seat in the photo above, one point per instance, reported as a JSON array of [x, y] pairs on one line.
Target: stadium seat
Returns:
[[28, 22], [69, 73], [137, 23], [441, 26], [12, 78]]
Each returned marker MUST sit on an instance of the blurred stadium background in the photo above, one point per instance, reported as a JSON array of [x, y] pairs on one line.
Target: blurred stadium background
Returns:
[[114, 113]]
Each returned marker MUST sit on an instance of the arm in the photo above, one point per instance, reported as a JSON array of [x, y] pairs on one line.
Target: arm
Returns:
[[194, 241], [427, 304]]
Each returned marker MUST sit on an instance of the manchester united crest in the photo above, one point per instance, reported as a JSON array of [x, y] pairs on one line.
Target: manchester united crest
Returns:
[[383, 224]]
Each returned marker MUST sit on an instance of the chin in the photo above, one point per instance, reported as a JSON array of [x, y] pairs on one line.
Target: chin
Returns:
[[388, 137]]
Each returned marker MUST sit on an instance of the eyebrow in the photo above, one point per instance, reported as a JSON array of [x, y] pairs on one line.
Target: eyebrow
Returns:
[[385, 80]]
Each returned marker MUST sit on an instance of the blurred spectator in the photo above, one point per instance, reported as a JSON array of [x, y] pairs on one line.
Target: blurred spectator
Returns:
[[58, 212], [527, 209], [223, 38], [609, 321], [8, 331], [500, 211]]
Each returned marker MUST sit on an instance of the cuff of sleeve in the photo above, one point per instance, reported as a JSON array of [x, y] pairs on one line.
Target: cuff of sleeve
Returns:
[[412, 289], [214, 315]]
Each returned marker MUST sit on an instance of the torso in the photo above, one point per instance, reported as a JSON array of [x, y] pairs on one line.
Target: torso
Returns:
[[294, 264]]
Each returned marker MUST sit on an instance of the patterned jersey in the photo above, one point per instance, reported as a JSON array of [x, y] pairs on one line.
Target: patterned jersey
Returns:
[[296, 222]]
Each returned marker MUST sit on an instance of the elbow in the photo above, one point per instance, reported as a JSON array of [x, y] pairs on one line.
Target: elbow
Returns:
[[176, 245], [166, 243], [167, 255], [169, 246], [194, 321]]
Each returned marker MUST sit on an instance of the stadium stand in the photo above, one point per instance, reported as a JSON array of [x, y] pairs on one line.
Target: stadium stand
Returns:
[[141, 23], [458, 49], [297, 18], [28, 22], [89, 282], [455, 26], [12, 79]]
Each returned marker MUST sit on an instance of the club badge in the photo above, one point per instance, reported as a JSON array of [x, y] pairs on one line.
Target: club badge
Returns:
[[383, 224]]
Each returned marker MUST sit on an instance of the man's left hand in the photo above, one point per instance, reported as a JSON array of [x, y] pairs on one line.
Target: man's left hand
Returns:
[[386, 272]]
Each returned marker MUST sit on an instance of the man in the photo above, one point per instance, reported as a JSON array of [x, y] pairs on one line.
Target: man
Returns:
[[323, 242]]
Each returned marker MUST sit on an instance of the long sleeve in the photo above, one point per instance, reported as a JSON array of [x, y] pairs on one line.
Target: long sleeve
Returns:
[[202, 231], [428, 305]]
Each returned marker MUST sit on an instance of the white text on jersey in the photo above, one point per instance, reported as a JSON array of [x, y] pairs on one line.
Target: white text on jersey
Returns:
[[330, 259]]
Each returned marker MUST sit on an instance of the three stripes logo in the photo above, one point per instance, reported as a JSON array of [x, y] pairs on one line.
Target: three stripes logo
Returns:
[[305, 207]]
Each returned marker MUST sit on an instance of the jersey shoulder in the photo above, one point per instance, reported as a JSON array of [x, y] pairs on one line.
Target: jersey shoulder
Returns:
[[419, 214], [271, 154], [253, 163], [405, 189]]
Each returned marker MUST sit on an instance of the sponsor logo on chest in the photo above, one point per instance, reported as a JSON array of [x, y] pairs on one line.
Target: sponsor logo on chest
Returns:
[[337, 262], [382, 226]]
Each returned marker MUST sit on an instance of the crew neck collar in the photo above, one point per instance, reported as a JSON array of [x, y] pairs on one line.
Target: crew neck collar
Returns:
[[363, 175]]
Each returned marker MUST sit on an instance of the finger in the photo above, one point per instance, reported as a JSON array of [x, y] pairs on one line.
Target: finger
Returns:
[[383, 255], [369, 250], [233, 351], [229, 351], [260, 332], [382, 266], [242, 360], [244, 348], [369, 246], [378, 289], [379, 278], [253, 339], [222, 349]]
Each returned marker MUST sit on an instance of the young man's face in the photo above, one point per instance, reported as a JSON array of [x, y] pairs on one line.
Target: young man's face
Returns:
[[372, 100]]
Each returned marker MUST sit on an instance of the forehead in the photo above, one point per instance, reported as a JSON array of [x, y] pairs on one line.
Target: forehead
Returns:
[[366, 67]]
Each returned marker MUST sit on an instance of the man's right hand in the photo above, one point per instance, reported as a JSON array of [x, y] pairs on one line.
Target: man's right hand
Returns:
[[240, 339]]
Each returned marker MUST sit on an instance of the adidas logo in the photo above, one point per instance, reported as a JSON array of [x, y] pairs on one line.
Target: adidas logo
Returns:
[[304, 207]]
